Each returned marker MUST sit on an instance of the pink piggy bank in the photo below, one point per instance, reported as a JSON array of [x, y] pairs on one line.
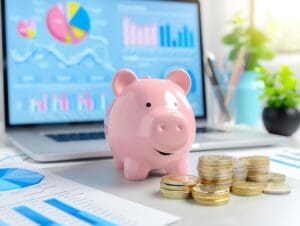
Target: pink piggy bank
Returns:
[[151, 124]]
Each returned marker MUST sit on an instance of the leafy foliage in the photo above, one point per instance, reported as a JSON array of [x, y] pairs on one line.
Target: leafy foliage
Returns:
[[281, 89], [255, 42]]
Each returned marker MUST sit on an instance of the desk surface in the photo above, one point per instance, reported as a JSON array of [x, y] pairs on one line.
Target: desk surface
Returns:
[[261, 210]]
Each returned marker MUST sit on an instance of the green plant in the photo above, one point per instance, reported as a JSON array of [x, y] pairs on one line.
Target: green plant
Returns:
[[255, 42], [281, 89]]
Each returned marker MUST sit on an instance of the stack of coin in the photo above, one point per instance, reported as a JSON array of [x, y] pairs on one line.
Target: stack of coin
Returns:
[[258, 168], [210, 196], [247, 188], [216, 170], [239, 170], [177, 186]]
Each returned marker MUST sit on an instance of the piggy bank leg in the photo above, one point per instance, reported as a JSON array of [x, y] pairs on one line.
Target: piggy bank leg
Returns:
[[134, 170], [117, 163], [179, 167]]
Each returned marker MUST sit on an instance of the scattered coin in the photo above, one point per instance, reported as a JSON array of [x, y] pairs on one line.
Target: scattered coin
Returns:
[[276, 177], [276, 188], [247, 188]]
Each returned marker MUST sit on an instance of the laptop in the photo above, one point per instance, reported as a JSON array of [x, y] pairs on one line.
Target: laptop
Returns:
[[59, 58]]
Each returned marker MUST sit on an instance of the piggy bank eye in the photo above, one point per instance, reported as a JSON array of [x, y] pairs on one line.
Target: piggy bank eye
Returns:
[[175, 104], [148, 105]]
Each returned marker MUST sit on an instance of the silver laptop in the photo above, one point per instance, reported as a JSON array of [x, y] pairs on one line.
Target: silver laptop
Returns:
[[59, 58]]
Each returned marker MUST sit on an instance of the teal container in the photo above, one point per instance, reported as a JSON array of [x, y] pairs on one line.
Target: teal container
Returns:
[[248, 106]]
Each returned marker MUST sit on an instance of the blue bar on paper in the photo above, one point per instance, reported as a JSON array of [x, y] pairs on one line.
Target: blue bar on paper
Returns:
[[174, 44], [3, 223], [162, 36], [192, 39], [289, 157], [185, 36], [180, 39], [81, 215], [35, 216], [168, 35], [285, 163]]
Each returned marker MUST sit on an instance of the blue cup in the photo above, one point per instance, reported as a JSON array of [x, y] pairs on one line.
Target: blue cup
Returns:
[[248, 106]]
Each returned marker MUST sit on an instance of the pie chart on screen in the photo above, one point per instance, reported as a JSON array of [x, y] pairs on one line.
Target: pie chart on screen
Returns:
[[17, 178], [68, 22]]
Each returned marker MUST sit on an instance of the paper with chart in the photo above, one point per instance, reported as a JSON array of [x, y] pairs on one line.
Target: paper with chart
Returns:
[[31, 197]]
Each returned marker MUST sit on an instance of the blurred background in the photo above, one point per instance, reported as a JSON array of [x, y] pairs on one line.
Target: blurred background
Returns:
[[280, 20]]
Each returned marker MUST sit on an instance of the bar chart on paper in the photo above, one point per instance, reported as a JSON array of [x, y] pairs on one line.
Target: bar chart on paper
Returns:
[[55, 201]]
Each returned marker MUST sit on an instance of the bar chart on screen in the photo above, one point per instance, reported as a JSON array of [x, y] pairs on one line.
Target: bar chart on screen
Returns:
[[85, 101], [154, 35]]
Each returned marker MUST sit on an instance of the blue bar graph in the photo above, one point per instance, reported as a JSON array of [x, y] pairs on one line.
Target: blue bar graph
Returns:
[[285, 163], [162, 36], [192, 39], [184, 38], [180, 43], [168, 35], [35, 216], [81, 215]]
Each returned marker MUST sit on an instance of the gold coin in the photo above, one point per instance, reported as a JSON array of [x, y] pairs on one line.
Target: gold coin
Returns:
[[200, 189], [184, 180], [245, 192], [171, 196], [216, 160], [213, 188], [255, 160], [276, 177], [210, 197], [216, 181], [212, 203], [167, 191], [276, 189], [175, 187], [248, 186]]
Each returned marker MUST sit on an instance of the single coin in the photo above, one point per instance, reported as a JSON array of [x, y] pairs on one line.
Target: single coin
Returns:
[[206, 190], [216, 160], [248, 186], [176, 196], [175, 187], [246, 192], [255, 160], [167, 191], [212, 203], [184, 180], [276, 177], [276, 189]]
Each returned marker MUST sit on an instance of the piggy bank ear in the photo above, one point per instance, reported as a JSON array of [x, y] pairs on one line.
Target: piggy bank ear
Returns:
[[123, 79], [181, 78]]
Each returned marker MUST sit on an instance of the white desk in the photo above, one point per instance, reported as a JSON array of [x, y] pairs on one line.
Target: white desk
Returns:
[[262, 210]]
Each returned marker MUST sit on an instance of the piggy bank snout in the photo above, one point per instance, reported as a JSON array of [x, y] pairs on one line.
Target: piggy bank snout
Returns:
[[170, 132]]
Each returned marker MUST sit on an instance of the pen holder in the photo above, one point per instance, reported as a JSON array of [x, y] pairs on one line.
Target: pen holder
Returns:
[[220, 115]]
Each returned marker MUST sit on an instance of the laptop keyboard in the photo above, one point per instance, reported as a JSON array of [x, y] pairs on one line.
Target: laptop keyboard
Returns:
[[86, 136], [208, 130]]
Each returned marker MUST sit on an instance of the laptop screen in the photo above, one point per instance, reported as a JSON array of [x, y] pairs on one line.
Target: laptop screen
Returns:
[[61, 55]]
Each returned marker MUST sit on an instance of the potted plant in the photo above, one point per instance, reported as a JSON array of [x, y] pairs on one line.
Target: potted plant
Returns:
[[256, 46], [282, 97]]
